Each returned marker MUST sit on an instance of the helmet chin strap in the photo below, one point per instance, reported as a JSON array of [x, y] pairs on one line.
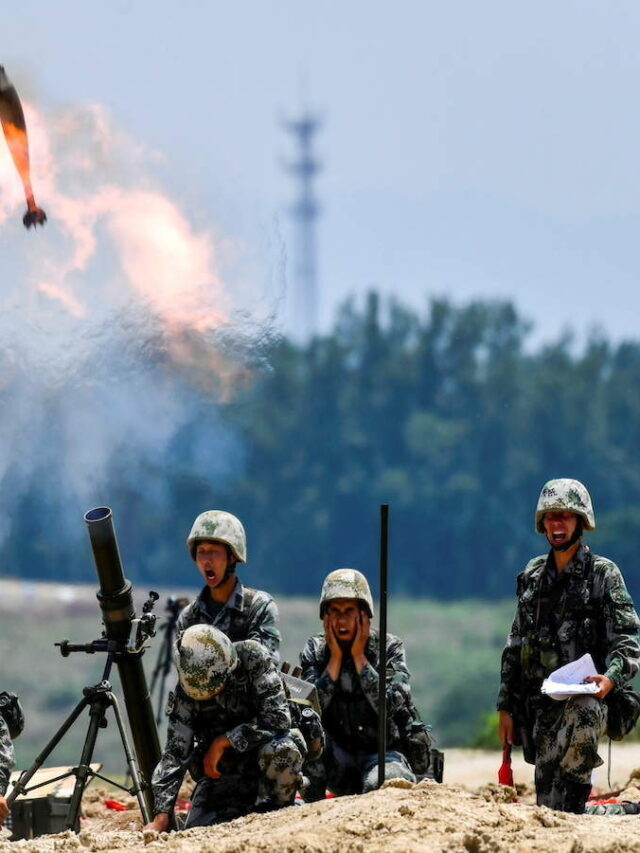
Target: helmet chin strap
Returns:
[[231, 570]]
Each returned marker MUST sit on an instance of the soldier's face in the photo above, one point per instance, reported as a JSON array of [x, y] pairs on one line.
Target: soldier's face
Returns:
[[212, 560], [344, 617], [559, 526]]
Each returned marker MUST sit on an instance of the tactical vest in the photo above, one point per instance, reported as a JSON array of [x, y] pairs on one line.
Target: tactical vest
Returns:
[[573, 604]]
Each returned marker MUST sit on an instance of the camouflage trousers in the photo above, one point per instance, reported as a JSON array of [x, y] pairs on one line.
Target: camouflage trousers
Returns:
[[566, 736], [344, 772], [264, 779]]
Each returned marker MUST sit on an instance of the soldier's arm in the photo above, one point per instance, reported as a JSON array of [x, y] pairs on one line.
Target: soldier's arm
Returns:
[[510, 668], [273, 715], [264, 628], [7, 759], [314, 671], [169, 773], [621, 628], [398, 688]]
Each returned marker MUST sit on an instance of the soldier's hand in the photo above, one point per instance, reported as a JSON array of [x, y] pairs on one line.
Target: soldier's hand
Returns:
[[214, 754], [331, 637], [605, 684], [505, 728], [360, 641], [4, 810], [160, 823]]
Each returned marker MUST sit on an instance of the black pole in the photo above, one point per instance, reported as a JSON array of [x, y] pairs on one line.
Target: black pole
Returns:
[[382, 663], [116, 603]]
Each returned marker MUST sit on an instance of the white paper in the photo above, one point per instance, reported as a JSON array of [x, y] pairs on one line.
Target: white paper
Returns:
[[568, 680]]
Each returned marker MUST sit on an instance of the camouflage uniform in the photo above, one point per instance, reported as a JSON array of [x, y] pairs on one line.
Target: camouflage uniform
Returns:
[[7, 760], [264, 760], [249, 614], [350, 717], [560, 617]]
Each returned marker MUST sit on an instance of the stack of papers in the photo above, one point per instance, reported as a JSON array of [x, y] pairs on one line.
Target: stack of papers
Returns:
[[569, 679]]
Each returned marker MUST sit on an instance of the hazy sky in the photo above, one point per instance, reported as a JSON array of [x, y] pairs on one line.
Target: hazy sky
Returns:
[[469, 148]]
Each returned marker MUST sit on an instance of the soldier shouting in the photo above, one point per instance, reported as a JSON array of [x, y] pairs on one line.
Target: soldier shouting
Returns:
[[217, 542], [570, 602]]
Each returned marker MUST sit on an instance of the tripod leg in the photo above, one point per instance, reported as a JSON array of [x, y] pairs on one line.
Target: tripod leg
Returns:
[[132, 764], [97, 705], [46, 752]]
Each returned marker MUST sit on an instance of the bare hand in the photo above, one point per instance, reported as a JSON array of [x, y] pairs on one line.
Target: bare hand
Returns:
[[360, 641], [160, 823], [505, 728], [331, 637], [214, 754], [605, 684]]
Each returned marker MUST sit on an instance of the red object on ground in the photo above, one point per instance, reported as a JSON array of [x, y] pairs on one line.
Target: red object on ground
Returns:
[[115, 806], [505, 774]]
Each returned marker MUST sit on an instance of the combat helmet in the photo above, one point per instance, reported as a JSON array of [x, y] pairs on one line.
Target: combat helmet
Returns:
[[565, 495], [346, 583], [204, 657], [222, 527]]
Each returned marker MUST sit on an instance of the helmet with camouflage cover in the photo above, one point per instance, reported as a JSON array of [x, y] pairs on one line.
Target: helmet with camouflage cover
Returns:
[[219, 526], [205, 656], [565, 495], [346, 583]]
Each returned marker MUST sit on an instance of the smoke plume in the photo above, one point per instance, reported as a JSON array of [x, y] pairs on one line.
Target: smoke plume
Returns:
[[115, 329]]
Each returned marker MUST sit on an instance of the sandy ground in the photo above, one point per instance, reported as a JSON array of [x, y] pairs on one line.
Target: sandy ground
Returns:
[[470, 812]]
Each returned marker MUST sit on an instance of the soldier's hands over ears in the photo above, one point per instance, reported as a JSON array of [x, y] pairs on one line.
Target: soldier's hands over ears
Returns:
[[214, 754], [605, 684]]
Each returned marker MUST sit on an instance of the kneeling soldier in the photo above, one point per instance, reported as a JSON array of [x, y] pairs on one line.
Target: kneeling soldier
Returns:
[[229, 724], [342, 663]]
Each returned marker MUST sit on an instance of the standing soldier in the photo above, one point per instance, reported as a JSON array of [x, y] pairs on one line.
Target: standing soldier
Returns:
[[229, 724], [6, 766], [217, 542], [570, 602], [342, 664]]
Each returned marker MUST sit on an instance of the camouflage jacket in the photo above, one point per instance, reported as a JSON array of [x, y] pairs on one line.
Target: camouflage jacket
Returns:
[[249, 614], [350, 705], [584, 609], [251, 710], [6, 756]]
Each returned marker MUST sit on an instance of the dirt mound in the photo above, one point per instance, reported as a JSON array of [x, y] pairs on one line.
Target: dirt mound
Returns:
[[396, 819]]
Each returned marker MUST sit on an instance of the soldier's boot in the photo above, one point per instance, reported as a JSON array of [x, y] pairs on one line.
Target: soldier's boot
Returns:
[[576, 795]]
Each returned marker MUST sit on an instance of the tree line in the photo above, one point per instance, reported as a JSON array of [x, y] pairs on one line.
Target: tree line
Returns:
[[452, 416]]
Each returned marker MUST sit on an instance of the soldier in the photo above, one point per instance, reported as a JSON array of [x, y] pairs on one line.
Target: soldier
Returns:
[[216, 543], [342, 663], [570, 602], [6, 765], [230, 725]]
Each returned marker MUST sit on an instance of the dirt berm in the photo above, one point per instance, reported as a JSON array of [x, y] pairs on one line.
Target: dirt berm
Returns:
[[399, 817]]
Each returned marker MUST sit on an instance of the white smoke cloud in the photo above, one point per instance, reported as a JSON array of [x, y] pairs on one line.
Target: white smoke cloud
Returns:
[[114, 316]]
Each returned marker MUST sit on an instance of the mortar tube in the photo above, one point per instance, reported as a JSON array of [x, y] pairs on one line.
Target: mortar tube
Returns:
[[116, 602]]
